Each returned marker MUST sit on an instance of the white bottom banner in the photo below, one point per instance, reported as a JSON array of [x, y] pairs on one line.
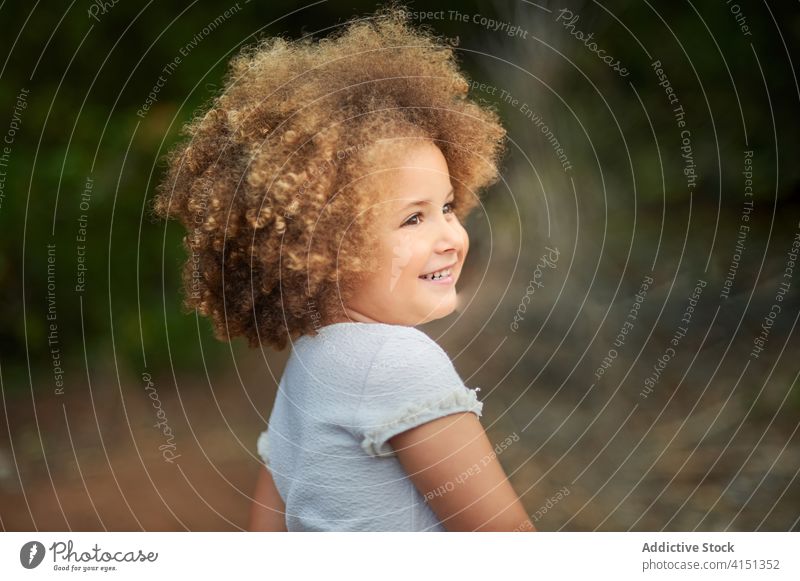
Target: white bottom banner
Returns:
[[399, 556]]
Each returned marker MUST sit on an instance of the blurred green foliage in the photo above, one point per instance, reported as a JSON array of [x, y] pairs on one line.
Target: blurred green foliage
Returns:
[[87, 77]]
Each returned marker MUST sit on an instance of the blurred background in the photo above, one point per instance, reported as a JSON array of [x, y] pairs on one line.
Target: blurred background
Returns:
[[631, 293]]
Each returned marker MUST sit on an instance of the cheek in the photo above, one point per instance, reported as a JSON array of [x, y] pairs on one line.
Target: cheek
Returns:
[[407, 254], [401, 264], [465, 243], [418, 254], [397, 253]]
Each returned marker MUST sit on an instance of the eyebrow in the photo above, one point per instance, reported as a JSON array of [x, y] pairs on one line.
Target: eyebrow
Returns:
[[421, 202]]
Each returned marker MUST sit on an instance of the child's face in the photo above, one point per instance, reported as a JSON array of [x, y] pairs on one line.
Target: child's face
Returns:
[[413, 240]]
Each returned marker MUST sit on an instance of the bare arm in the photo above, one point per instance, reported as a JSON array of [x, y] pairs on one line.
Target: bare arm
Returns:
[[268, 512], [452, 455]]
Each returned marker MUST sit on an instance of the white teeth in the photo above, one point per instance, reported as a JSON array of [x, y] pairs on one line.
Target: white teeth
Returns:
[[437, 275]]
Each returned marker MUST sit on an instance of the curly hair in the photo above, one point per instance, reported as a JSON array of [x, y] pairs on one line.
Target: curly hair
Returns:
[[269, 182]]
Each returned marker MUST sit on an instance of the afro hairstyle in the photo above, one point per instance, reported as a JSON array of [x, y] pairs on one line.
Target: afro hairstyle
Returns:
[[267, 182]]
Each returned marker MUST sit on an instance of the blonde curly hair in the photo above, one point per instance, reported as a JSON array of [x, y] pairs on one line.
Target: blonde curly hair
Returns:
[[269, 183]]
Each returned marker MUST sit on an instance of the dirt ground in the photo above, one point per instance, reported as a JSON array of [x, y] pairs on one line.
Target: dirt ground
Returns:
[[707, 456]]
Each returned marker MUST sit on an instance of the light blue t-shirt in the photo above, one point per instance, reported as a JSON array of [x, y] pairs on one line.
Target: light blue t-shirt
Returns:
[[343, 394]]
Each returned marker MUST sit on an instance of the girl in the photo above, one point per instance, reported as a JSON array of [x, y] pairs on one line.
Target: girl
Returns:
[[323, 193]]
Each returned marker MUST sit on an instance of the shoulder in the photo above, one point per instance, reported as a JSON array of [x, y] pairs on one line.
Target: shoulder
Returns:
[[404, 347], [377, 346], [411, 381], [356, 346], [407, 364], [410, 335], [382, 332]]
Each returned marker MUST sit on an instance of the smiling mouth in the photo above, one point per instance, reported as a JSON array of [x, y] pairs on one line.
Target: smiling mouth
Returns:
[[441, 275]]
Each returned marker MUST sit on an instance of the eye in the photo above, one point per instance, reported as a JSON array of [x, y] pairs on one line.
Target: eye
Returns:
[[418, 215], [410, 218]]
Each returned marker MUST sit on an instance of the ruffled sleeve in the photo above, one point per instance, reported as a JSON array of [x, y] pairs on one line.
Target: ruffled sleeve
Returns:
[[263, 447], [410, 382]]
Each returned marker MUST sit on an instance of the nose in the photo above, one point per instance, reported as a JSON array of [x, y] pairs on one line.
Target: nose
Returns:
[[450, 236]]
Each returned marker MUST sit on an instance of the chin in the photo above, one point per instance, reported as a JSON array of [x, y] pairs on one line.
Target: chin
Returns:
[[441, 310]]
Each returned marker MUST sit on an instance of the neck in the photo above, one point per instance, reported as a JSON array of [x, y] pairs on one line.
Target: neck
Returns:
[[353, 315]]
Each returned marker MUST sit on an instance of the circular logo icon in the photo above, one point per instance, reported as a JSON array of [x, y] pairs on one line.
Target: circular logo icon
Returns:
[[31, 554]]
